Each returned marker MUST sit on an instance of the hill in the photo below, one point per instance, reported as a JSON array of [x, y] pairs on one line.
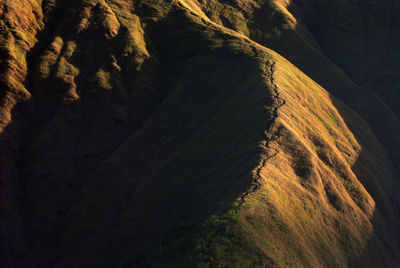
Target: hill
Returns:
[[209, 133]]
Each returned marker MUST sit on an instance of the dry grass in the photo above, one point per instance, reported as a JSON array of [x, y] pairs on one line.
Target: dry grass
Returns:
[[305, 211], [178, 114]]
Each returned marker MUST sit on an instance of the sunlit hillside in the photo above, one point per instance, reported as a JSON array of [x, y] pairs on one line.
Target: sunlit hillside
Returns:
[[199, 133]]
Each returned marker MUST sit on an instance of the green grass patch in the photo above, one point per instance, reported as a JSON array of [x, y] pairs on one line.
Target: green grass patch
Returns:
[[218, 242]]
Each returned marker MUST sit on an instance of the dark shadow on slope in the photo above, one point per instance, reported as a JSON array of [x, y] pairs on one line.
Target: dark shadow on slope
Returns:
[[68, 141], [181, 166], [13, 250], [382, 247], [369, 51], [178, 167]]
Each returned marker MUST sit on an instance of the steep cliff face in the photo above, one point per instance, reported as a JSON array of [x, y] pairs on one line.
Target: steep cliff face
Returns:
[[172, 133]]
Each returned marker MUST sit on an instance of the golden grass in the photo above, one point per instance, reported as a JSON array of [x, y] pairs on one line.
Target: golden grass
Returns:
[[311, 208], [21, 20]]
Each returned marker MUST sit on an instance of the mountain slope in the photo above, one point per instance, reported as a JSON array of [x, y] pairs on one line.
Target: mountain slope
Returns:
[[172, 133]]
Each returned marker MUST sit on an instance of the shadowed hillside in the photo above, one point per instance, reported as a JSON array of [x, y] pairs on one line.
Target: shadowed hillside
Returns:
[[197, 133]]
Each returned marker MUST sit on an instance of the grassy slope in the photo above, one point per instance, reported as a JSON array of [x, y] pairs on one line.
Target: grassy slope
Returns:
[[312, 192], [310, 208], [154, 115], [279, 25]]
